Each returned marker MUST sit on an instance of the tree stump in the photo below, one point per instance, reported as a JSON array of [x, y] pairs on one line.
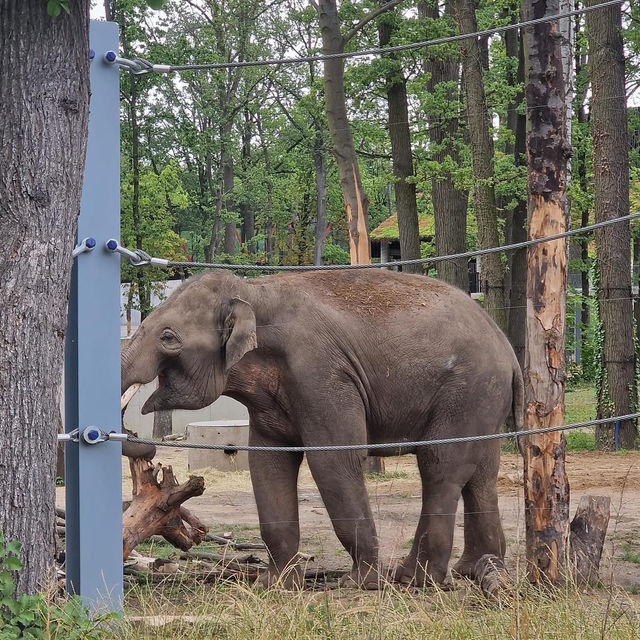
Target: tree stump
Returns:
[[491, 575], [156, 507], [588, 530]]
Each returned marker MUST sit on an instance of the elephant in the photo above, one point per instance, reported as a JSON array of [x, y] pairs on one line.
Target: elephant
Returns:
[[342, 358]]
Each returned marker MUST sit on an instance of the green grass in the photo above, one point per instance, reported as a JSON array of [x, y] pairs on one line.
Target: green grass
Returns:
[[580, 403], [230, 611], [630, 553], [388, 475]]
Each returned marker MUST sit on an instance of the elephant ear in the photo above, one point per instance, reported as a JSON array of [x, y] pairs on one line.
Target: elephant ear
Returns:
[[239, 332]]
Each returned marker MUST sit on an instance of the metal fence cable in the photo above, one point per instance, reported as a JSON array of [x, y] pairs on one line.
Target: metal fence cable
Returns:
[[141, 66], [142, 258], [390, 445]]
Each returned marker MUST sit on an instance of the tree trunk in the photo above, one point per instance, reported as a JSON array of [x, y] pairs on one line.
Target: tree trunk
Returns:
[[546, 487], [517, 299], [588, 530], [401, 154], [44, 95], [617, 390], [355, 199], [248, 214], [320, 167], [449, 203], [482, 163]]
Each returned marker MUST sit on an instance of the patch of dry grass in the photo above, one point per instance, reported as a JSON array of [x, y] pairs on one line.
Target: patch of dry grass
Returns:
[[230, 611]]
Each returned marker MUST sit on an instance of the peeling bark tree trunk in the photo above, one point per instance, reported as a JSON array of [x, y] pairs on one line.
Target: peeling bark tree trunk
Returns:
[[546, 487], [156, 508], [449, 203], [355, 199], [401, 154], [44, 98], [617, 391], [482, 163]]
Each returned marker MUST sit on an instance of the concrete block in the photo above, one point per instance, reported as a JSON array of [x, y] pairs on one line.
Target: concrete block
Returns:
[[220, 432]]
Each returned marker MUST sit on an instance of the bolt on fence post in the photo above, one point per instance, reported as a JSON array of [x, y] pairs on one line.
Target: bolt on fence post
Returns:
[[93, 474]]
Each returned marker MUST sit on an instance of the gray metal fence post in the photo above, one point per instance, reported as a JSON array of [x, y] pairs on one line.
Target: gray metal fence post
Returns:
[[93, 473]]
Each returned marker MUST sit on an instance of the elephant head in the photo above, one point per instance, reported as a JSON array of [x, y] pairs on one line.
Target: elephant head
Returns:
[[190, 343]]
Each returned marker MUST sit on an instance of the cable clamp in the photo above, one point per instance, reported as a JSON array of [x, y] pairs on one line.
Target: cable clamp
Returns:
[[87, 244], [137, 258], [137, 66], [71, 436]]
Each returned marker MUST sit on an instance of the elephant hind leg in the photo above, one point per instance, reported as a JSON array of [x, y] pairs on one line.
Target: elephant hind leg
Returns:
[[482, 528], [442, 480]]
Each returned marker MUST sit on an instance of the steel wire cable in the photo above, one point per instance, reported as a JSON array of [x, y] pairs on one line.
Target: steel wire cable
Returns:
[[144, 259], [141, 66], [389, 445]]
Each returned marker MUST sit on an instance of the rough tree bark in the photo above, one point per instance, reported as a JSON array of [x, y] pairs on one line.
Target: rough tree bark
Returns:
[[481, 144], [355, 199], [517, 224], [449, 203], [617, 390], [44, 100], [320, 167], [546, 487], [401, 154]]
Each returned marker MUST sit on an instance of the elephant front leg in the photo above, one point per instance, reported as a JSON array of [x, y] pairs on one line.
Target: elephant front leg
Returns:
[[274, 477], [340, 479]]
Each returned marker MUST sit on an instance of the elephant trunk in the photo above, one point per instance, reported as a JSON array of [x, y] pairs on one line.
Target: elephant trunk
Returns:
[[137, 364]]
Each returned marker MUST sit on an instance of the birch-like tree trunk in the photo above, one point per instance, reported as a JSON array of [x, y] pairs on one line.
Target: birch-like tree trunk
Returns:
[[44, 100], [546, 487], [617, 391]]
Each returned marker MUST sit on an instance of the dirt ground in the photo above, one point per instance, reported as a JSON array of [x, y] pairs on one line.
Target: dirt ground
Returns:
[[228, 505]]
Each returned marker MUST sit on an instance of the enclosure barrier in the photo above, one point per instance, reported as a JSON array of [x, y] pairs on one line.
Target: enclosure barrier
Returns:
[[92, 362], [95, 435]]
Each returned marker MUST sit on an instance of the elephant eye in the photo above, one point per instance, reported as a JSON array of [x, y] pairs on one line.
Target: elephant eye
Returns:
[[170, 340]]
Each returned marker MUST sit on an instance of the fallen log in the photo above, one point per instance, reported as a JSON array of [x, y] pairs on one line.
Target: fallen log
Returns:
[[586, 539], [156, 507], [238, 546]]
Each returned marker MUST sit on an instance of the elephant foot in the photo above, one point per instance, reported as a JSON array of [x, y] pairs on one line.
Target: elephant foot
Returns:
[[292, 578], [368, 579], [414, 575], [465, 568]]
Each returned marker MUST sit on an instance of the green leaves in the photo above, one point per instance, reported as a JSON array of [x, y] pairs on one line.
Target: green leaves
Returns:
[[156, 4], [56, 7]]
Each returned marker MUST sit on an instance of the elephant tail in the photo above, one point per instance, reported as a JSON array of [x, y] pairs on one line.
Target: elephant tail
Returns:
[[517, 401]]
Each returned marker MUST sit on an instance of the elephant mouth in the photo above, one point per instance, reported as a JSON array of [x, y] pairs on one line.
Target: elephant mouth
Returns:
[[173, 392]]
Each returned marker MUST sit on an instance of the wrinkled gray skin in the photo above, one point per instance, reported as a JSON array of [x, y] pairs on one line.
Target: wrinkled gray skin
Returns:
[[342, 358]]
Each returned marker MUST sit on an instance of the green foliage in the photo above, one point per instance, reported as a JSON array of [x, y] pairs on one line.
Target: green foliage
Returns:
[[581, 441], [34, 616], [335, 254], [56, 7], [630, 553]]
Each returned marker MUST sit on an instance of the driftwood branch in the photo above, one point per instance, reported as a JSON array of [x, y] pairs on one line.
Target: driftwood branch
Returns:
[[156, 507]]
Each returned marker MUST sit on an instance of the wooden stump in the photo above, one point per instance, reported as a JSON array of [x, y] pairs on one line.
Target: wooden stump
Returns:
[[491, 575], [156, 507], [588, 530]]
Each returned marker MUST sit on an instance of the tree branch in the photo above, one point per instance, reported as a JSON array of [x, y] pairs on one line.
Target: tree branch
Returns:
[[368, 18]]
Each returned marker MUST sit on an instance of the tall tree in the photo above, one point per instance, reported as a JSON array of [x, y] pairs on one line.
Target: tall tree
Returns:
[[402, 157], [481, 143], [355, 199], [44, 96], [617, 389], [449, 201], [546, 487]]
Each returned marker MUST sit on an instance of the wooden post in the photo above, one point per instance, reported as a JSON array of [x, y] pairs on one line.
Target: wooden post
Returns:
[[546, 488]]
